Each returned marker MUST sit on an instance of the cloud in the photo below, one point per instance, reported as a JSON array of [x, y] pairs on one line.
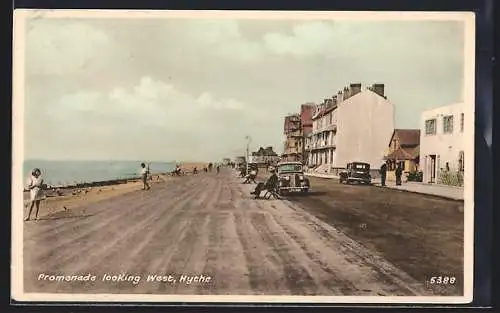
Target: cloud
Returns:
[[149, 102], [222, 38], [331, 39], [60, 48], [126, 114], [312, 38], [191, 83]]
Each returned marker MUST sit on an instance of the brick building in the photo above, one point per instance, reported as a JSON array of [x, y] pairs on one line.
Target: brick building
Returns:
[[296, 128]]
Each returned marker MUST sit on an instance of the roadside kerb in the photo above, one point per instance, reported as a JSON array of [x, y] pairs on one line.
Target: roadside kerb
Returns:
[[404, 187]]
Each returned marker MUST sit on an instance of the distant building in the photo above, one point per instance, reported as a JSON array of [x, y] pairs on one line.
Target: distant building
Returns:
[[239, 160], [265, 156], [442, 145], [404, 150], [296, 127], [354, 125]]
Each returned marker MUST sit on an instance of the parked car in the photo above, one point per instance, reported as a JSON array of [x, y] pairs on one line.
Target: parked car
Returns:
[[292, 178], [356, 172]]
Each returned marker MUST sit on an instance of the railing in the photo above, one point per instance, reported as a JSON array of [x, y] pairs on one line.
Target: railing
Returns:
[[451, 178], [330, 127]]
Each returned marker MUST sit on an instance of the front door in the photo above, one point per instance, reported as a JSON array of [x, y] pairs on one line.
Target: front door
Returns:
[[432, 168]]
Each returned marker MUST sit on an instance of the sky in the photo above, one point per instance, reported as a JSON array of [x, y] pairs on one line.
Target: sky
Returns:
[[191, 89]]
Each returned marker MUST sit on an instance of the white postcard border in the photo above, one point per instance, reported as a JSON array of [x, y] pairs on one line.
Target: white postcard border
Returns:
[[20, 16]]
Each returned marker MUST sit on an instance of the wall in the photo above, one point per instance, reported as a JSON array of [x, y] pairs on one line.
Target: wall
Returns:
[[365, 126], [410, 166], [306, 111], [446, 147]]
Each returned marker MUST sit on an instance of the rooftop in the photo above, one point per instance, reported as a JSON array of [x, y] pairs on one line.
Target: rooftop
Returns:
[[407, 137]]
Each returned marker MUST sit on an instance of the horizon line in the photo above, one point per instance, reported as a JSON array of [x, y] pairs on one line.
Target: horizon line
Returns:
[[112, 160]]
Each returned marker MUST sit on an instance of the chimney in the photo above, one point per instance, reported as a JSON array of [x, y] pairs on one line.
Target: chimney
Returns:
[[378, 89], [347, 93], [355, 89], [340, 96]]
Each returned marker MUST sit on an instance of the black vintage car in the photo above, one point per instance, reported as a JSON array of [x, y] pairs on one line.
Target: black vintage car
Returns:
[[356, 172], [292, 178]]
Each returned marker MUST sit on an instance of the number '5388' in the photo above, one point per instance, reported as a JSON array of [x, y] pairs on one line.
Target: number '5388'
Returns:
[[442, 280]]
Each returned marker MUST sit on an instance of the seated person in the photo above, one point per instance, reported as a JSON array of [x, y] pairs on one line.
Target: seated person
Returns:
[[250, 177], [268, 185], [243, 172]]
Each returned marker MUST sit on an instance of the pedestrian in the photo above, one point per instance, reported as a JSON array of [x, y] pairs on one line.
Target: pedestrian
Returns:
[[144, 177], [218, 168], [35, 186], [399, 172], [383, 173]]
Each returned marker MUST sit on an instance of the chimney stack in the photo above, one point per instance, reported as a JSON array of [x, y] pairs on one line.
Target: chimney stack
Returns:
[[347, 93], [355, 89], [379, 89]]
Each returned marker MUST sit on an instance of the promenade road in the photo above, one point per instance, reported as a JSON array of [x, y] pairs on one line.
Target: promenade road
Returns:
[[207, 225]]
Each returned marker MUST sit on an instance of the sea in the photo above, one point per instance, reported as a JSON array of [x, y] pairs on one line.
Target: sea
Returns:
[[61, 173]]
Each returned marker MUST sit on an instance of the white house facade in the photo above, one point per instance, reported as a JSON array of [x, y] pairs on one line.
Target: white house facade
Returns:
[[442, 142], [355, 126], [322, 139]]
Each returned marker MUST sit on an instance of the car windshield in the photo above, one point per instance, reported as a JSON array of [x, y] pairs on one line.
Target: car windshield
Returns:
[[360, 166], [290, 168]]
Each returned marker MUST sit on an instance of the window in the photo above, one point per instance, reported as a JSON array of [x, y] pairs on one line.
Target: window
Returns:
[[448, 124], [461, 161], [360, 166], [430, 127], [462, 122]]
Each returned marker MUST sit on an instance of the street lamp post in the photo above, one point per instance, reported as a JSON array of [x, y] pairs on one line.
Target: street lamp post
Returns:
[[248, 150]]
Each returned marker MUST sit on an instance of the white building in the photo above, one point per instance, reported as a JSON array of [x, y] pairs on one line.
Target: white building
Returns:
[[355, 125], [321, 142], [442, 142]]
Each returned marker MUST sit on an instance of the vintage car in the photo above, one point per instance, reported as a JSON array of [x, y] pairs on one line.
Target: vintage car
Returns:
[[356, 172], [291, 178]]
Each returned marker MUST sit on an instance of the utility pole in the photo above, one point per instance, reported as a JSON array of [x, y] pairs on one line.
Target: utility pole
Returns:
[[248, 151]]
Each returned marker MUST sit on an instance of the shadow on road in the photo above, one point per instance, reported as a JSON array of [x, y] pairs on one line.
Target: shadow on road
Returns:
[[61, 217]]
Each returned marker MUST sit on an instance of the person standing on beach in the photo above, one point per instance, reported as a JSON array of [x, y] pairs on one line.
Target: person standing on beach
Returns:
[[35, 186], [144, 177]]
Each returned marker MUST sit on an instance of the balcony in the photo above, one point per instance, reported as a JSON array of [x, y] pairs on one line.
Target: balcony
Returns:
[[293, 150], [294, 133], [322, 144], [327, 128]]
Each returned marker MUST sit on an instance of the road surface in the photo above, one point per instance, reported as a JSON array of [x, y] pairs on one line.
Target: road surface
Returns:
[[212, 237]]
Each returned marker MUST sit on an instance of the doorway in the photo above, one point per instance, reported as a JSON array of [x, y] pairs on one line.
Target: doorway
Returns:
[[432, 168]]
